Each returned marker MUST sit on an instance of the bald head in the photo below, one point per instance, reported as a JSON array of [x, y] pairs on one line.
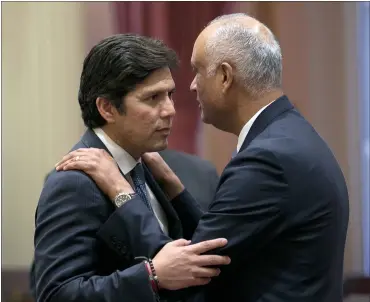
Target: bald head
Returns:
[[247, 45], [241, 19]]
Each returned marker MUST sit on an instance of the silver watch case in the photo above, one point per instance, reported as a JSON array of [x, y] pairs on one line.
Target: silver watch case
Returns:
[[122, 198]]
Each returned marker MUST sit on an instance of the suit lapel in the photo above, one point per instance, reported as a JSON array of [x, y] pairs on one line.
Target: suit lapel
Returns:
[[272, 111], [174, 224], [91, 140]]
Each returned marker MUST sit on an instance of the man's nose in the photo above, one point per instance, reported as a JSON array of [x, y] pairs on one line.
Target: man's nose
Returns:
[[193, 85], [168, 109]]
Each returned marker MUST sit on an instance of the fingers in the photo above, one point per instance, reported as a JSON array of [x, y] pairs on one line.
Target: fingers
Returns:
[[199, 281], [74, 165], [180, 242], [74, 154], [204, 272], [67, 157], [88, 154], [153, 159], [211, 260], [150, 156], [205, 246], [77, 162]]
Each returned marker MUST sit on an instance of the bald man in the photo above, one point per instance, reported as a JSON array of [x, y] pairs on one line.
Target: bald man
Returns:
[[281, 202]]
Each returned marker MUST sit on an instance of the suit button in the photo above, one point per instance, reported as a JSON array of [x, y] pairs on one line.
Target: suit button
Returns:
[[113, 239], [123, 251]]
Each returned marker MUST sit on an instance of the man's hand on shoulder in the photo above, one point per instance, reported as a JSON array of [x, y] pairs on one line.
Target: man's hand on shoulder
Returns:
[[163, 174], [100, 166]]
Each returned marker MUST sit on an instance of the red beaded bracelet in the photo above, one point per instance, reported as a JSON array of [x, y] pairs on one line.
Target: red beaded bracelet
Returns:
[[152, 277]]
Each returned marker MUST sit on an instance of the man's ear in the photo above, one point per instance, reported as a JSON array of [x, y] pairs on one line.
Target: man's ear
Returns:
[[227, 76], [106, 109]]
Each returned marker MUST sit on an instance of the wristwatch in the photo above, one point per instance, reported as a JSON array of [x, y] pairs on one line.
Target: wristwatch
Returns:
[[122, 198]]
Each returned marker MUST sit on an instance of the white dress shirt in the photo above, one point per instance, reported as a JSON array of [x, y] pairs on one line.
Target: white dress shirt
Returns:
[[126, 163], [247, 127]]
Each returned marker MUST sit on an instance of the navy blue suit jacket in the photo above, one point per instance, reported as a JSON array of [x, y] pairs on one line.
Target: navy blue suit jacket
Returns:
[[282, 203], [83, 250]]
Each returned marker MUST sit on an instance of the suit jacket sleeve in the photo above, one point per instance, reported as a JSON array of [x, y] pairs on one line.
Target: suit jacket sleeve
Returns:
[[135, 217], [249, 210], [249, 206], [213, 180], [189, 212], [68, 216]]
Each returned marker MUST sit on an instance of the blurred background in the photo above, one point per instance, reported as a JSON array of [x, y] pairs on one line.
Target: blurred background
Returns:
[[325, 47]]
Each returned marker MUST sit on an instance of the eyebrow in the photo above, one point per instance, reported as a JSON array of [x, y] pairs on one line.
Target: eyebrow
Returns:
[[149, 91], [193, 66]]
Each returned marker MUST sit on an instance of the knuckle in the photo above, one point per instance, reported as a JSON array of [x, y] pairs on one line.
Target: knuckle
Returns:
[[208, 244], [193, 259], [212, 260], [193, 272]]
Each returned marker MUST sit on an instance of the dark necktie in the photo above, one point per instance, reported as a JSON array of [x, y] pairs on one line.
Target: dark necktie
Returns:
[[138, 178], [235, 152]]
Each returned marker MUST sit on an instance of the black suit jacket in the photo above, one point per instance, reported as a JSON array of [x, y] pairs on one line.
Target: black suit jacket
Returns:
[[198, 176], [82, 248], [282, 203]]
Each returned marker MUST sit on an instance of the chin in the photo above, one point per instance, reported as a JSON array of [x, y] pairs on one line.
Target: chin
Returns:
[[159, 146], [204, 118]]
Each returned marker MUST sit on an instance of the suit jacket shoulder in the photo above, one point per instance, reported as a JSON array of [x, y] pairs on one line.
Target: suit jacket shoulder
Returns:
[[71, 262]]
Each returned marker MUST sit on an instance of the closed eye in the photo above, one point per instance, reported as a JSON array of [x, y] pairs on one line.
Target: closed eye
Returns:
[[170, 94], [154, 97]]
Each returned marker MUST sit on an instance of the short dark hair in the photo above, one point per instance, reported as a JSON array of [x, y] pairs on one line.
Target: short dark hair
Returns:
[[114, 67]]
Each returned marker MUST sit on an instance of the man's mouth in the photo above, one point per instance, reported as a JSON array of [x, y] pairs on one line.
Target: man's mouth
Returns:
[[164, 131]]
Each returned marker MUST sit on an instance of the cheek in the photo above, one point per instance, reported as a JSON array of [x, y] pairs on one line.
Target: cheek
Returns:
[[200, 88], [199, 82], [144, 121]]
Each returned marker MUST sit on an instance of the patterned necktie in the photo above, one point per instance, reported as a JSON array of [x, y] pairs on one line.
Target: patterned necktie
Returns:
[[138, 178]]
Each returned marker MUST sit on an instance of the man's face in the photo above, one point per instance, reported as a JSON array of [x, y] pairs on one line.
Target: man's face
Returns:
[[149, 111], [206, 86]]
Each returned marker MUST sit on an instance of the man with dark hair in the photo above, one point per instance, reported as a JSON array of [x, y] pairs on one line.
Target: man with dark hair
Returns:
[[126, 99]]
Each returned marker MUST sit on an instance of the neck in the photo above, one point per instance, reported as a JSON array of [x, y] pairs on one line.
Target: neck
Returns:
[[124, 144], [247, 108]]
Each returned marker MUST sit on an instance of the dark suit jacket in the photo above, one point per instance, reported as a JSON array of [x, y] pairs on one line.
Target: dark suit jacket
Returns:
[[82, 248], [282, 203], [198, 176]]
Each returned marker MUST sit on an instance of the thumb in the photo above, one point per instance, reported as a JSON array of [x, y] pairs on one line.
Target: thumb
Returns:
[[181, 242], [147, 157]]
